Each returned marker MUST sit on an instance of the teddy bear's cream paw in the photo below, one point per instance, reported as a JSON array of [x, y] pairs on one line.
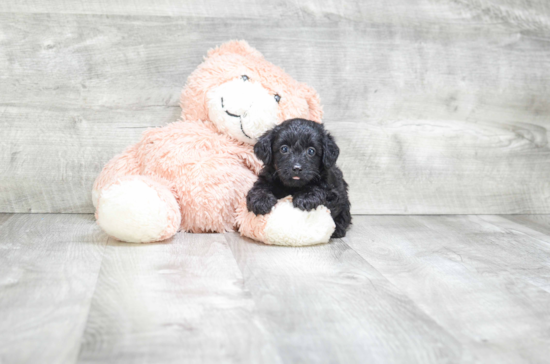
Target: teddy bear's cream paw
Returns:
[[288, 225], [134, 211]]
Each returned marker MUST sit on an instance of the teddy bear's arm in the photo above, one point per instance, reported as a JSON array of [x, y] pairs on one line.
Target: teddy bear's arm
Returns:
[[251, 162]]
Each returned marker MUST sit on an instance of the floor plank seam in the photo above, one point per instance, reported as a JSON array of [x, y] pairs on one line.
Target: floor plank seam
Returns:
[[414, 303], [81, 341], [265, 323]]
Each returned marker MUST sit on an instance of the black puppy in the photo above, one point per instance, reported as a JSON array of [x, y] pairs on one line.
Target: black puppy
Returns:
[[299, 159]]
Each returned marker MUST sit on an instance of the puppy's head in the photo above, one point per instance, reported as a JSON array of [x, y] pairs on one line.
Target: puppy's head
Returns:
[[298, 150]]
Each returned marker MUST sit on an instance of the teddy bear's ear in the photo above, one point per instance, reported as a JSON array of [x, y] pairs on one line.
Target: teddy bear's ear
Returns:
[[314, 103], [235, 47]]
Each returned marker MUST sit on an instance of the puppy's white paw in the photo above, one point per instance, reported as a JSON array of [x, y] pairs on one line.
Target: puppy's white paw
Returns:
[[134, 212], [290, 226]]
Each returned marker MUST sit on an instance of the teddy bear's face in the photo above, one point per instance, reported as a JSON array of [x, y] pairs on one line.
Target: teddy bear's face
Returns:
[[244, 95], [243, 108]]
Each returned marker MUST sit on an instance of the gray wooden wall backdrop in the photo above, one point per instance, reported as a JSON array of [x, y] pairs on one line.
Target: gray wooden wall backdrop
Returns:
[[440, 106]]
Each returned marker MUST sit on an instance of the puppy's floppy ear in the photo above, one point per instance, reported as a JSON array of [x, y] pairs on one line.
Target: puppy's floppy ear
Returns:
[[262, 149], [330, 151]]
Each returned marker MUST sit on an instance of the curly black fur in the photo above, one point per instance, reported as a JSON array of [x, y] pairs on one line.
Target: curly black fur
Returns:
[[299, 159]]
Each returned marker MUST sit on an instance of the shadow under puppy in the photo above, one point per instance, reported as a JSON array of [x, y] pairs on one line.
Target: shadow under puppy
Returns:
[[299, 159]]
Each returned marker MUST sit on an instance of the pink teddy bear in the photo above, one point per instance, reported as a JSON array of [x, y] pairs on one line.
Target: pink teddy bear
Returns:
[[194, 174]]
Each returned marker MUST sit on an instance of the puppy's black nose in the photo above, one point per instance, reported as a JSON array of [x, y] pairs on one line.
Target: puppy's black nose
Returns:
[[297, 168]]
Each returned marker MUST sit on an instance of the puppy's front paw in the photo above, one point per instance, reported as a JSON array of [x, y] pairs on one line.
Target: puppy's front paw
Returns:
[[340, 232], [262, 205], [306, 202]]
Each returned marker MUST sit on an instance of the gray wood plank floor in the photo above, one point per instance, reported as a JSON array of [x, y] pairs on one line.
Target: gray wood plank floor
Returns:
[[397, 289]]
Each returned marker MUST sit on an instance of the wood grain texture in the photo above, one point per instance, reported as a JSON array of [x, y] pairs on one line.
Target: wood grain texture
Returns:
[[48, 268], [540, 223], [481, 278], [535, 256], [182, 301], [325, 304], [397, 289], [438, 106]]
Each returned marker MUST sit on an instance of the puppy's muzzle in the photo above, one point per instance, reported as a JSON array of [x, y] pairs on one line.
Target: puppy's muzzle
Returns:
[[297, 169]]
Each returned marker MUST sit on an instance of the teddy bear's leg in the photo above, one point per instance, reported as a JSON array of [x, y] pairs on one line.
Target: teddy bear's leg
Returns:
[[138, 209], [123, 164], [287, 225]]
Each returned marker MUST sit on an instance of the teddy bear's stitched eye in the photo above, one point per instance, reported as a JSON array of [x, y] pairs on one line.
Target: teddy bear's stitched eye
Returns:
[[277, 98], [245, 77], [311, 151], [284, 149]]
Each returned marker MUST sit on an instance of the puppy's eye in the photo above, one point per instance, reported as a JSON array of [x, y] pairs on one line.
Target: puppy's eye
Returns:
[[311, 151], [284, 149], [277, 98], [245, 77]]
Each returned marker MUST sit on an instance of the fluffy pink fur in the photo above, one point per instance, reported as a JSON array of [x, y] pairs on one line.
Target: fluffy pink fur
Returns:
[[190, 162]]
